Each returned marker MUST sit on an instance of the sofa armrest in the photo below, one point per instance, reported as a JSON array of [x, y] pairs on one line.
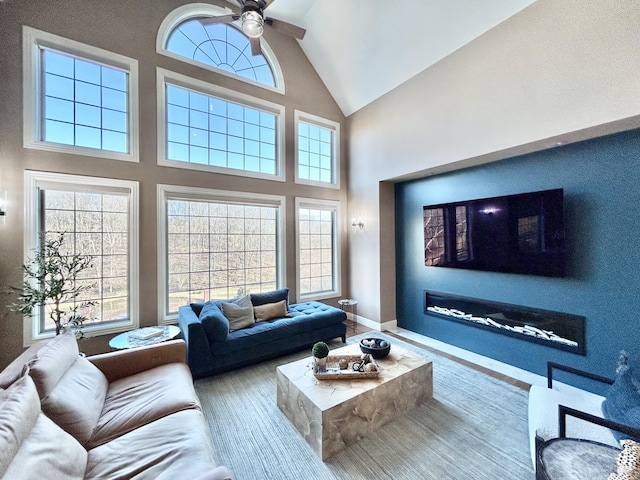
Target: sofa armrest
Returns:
[[124, 363], [564, 411], [198, 351], [551, 366]]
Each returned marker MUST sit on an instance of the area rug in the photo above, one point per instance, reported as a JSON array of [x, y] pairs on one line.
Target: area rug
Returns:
[[474, 428]]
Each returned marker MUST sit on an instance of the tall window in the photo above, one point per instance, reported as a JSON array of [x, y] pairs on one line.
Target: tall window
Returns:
[[317, 147], [318, 248], [207, 127], [99, 218], [217, 245], [79, 99], [219, 47]]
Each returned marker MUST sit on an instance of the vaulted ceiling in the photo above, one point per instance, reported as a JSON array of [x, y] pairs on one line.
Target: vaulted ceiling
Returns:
[[362, 49]]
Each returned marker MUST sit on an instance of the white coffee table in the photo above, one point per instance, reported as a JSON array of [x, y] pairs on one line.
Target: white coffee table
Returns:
[[333, 414]]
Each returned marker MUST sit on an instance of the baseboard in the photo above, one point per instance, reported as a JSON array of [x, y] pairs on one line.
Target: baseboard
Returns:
[[514, 375], [373, 325]]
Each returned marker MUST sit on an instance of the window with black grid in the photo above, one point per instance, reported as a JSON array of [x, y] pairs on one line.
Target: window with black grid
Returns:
[[203, 129], [85, 103], [223, 47], [316, 249], [219, 250], [315, 153], [94, 223]]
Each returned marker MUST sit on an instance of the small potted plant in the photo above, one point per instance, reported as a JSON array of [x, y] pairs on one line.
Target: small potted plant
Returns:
[[320, 351]]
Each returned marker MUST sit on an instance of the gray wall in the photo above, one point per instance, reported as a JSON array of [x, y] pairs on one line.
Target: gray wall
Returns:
[[130, 28]]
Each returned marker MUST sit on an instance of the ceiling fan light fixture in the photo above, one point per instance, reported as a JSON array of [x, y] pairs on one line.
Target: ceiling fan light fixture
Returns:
[[252, 24]]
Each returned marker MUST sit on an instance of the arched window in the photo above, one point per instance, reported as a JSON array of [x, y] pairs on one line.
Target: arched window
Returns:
[[221, 47]]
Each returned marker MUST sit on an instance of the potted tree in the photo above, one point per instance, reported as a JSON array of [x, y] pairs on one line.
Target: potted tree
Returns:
[[320, 351], [50, 281]]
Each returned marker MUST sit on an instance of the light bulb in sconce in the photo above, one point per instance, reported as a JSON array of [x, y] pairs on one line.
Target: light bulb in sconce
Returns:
[[357, 223]]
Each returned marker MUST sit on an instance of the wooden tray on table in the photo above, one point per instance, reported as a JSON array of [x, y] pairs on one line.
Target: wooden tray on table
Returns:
[[332, 370]]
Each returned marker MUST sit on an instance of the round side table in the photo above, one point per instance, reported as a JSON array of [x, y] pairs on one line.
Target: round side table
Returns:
[[351, 306], [125, 340]]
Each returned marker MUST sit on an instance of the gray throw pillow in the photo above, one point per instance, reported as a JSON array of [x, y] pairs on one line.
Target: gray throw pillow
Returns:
[[239, 313]]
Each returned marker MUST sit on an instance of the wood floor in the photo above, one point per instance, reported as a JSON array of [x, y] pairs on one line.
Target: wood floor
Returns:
[[358, 330]]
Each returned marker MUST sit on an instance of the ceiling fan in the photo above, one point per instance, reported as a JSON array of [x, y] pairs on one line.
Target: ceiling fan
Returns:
[[253, 22]]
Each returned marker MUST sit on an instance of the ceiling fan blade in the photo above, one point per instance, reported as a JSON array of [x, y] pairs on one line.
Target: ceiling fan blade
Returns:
[[266, 3], [255, 46], [219, 19], [286, 28]]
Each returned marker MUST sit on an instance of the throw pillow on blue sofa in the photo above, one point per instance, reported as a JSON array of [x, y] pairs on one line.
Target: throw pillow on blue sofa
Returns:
[[239, 313]]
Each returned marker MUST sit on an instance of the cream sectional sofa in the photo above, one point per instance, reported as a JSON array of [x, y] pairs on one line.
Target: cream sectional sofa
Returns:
[[126, 414]]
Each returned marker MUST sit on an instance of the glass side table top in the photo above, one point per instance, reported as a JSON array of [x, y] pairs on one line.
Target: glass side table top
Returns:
[[141, 337], [347, 302]]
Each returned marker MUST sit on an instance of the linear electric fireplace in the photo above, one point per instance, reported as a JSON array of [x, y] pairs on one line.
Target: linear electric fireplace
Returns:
[[555, 329]]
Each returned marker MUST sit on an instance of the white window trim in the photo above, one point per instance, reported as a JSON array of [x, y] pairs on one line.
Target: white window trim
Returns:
[[194, 10], [32, 40], [33, 181], [167, 76], [324, 123], [164, 192], [336, 206]]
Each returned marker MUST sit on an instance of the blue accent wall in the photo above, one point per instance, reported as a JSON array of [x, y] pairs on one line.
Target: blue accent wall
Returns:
[[601, 182]]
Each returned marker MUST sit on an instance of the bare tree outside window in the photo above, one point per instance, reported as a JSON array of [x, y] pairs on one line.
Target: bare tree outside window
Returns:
[[218, 250]]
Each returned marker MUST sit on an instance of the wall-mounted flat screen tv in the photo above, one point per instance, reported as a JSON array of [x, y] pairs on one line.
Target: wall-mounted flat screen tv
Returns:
[[521, 233]]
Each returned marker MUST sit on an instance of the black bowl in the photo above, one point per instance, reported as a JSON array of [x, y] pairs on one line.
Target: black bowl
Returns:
[[379, 349]]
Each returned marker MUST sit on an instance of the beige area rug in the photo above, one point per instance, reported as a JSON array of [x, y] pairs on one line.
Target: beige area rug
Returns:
[[474, 428]]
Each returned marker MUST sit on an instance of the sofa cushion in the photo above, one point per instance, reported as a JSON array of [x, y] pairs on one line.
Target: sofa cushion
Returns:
[[274, 296], [269, 311], [239, 313], [15, 369], [71, 389], [53, 360], [76, 401], [304, 317], [140, 399], [173, 447], [32, 446], [214, 323], [19, 410], [622, 403]]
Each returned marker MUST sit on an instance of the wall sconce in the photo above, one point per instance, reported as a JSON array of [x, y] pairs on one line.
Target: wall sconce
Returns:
[[3, 205], [357, 223]]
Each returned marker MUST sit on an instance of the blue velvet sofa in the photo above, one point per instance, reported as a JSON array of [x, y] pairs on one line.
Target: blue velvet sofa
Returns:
[[212, 348]]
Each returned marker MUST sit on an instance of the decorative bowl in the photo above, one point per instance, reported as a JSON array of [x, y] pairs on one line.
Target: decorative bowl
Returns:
[[377, 347]]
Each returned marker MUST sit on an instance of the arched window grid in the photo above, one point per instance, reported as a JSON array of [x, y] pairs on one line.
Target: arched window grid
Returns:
[[179, 18]]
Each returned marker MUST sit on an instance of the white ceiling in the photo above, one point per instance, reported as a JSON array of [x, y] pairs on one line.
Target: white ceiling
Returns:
[[362, 49]]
